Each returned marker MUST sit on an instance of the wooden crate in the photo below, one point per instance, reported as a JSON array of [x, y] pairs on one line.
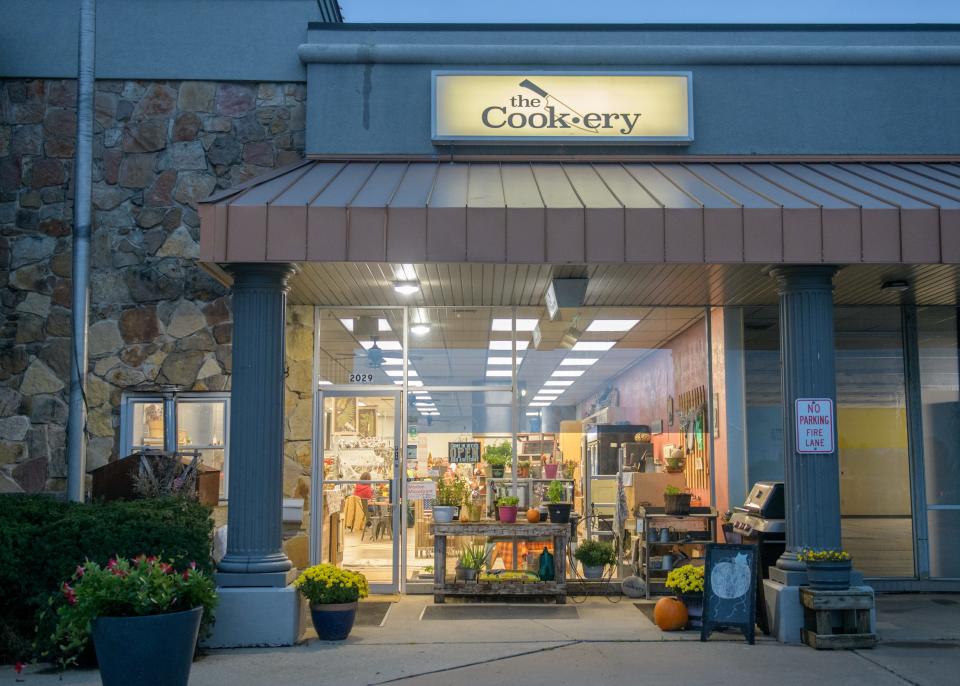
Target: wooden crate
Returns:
[[852, 606]]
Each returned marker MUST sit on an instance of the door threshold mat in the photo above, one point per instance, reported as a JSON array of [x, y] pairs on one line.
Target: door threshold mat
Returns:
[[498, 612], [372, 613]]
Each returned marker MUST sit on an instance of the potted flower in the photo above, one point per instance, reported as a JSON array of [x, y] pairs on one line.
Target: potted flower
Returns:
[[144, 616], [450, 496], [333, 594], [676, 501], [687, 582], [827, 569], [523, 469], [497, 456], [549, 467], [473, 506], [559, 510], [568, 469], [470, 562], [594, 556], [507, 508]]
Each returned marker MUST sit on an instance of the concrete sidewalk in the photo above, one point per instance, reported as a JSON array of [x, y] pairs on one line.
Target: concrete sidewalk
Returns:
[[608, 644]]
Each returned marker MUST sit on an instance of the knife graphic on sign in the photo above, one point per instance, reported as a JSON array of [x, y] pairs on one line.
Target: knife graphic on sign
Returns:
[[530, 85]]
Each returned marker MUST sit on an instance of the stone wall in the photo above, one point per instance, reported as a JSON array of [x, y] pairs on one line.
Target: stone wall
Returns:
[[155, 317]]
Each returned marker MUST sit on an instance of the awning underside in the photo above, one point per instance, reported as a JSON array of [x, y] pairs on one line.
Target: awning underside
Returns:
[[581, 213]]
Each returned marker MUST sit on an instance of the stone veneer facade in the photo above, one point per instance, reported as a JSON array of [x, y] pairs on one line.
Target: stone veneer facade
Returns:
[[156, 318]]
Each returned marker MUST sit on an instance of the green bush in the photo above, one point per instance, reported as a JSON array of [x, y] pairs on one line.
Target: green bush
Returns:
[[42, 541], [595, 554]]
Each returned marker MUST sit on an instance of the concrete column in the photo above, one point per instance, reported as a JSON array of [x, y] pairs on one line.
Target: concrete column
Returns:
[[812, 482], [254, 541]]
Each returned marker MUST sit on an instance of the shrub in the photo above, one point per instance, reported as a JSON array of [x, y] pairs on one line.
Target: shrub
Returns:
[[325, 583], [42, 541], [555, 492], [595, 554]]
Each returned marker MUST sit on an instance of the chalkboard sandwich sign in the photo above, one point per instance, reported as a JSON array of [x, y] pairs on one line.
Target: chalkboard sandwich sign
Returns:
[[729, 592]]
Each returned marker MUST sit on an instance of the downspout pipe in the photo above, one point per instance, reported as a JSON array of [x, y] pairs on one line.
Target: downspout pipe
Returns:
[[83, 168]]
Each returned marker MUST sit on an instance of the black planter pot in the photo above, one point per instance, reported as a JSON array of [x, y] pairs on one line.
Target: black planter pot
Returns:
[[678, 504], [333, 621], [829, 576], [559, 512], [694, 603], [153, 649], [497, 472]]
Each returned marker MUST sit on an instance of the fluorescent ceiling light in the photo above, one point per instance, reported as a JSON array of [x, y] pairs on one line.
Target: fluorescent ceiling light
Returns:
[[414, 383], [406, 287], [558, 391], [500, 372], [382, 324], [593, 345], [421, 395], [533, 414], [578, 361], [383, 345], [424, 393], [506, 345], [522, 324], [420, 329], [392, 360], [568, 372], [502, 360], [539, 404], [399, 372], [558, 383], [612, 324], [541, 398], [324, 382]]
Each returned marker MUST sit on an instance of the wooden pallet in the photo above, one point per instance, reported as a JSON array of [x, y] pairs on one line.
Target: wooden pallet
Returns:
[[852, 606]]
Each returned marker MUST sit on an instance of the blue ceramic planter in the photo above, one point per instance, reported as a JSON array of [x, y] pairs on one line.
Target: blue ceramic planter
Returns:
[[829, 576], [148, 650], [333, 621]]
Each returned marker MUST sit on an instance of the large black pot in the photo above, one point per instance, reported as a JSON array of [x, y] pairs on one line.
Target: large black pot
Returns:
[[829, 576], [559, 512], [333, 621], [148, 650], [678, 504]]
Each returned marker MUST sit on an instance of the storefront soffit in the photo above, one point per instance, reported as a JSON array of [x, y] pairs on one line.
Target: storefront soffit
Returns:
[[582, 213]]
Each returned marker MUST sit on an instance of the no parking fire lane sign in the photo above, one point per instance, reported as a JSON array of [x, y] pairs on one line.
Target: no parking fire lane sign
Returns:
[[814, 425]]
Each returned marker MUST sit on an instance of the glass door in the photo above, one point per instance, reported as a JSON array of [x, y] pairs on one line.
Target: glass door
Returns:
[[359, 526]]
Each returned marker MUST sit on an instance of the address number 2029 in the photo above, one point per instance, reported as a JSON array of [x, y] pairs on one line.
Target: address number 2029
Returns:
[[361, 378]]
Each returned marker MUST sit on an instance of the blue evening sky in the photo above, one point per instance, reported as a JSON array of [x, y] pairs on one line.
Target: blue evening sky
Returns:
[[640, 11]]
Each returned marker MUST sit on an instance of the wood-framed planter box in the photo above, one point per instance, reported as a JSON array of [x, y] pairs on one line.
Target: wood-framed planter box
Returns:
[[442, 586]]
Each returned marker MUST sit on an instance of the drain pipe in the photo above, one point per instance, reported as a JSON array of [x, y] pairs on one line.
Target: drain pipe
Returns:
[[83, 168]]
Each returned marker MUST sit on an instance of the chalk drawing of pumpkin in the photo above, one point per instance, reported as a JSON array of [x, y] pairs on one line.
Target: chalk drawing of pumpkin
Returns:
[[731, 579]]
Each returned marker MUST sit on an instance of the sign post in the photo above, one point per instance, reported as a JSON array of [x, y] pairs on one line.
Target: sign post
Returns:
[[815, 426]]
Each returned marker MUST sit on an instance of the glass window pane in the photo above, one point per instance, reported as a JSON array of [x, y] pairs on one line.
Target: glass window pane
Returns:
[[459, 346], [359, 437], [146, 424], [201, 424], [361, 346]]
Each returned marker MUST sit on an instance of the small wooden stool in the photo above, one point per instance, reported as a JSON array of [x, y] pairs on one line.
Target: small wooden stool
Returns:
[[853, 605]]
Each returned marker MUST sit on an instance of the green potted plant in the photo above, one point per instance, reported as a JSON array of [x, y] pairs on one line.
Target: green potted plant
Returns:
[[451, 492], [333, 594], [676, 501], [687, 582], [558, 509], [507, 508], [827, 569], [471, 561], [523, 469], [144, 617], [569, 466], [497, 456], [594, 556]]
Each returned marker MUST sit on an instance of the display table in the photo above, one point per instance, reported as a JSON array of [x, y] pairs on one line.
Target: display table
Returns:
[[497, 530], [687, 533]]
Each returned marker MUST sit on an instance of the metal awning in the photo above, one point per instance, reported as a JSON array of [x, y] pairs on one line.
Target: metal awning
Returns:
[[582, 213]]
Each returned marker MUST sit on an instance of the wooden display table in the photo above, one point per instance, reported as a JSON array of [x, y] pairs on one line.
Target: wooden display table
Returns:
[[520, 530], [851, 605]]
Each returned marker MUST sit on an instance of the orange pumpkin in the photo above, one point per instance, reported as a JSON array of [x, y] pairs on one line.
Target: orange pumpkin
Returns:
[[670, 614], [533, 515]]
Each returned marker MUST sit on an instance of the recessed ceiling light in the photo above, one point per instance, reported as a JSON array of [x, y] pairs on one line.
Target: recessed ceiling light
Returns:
[[406, 287], [612, 324], [502, 360], [522, 324], [578, 361], [500, 372], [420, 329], [593, 345], [568, 372], [399, 372], [539, 404], [506, 345], [551, 382]]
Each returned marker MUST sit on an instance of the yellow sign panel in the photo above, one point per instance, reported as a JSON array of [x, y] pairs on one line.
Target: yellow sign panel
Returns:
[[570, 108]]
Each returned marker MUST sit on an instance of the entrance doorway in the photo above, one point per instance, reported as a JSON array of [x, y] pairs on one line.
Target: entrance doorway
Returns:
[[360, 482]]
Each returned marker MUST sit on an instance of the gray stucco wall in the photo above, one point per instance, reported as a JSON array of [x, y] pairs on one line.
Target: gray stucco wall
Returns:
[[222, 40], [800, 91]]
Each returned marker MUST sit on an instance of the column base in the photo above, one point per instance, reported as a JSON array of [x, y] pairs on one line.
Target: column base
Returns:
[[256, 617], [251, 580], [784, 611]]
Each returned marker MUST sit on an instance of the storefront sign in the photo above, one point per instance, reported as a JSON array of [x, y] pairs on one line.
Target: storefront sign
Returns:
[[421, 490], [463, 451], [814, 425], [537, 107]]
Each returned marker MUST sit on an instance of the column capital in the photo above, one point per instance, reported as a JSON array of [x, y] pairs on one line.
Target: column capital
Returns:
[[261, 274], [802, 277]]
